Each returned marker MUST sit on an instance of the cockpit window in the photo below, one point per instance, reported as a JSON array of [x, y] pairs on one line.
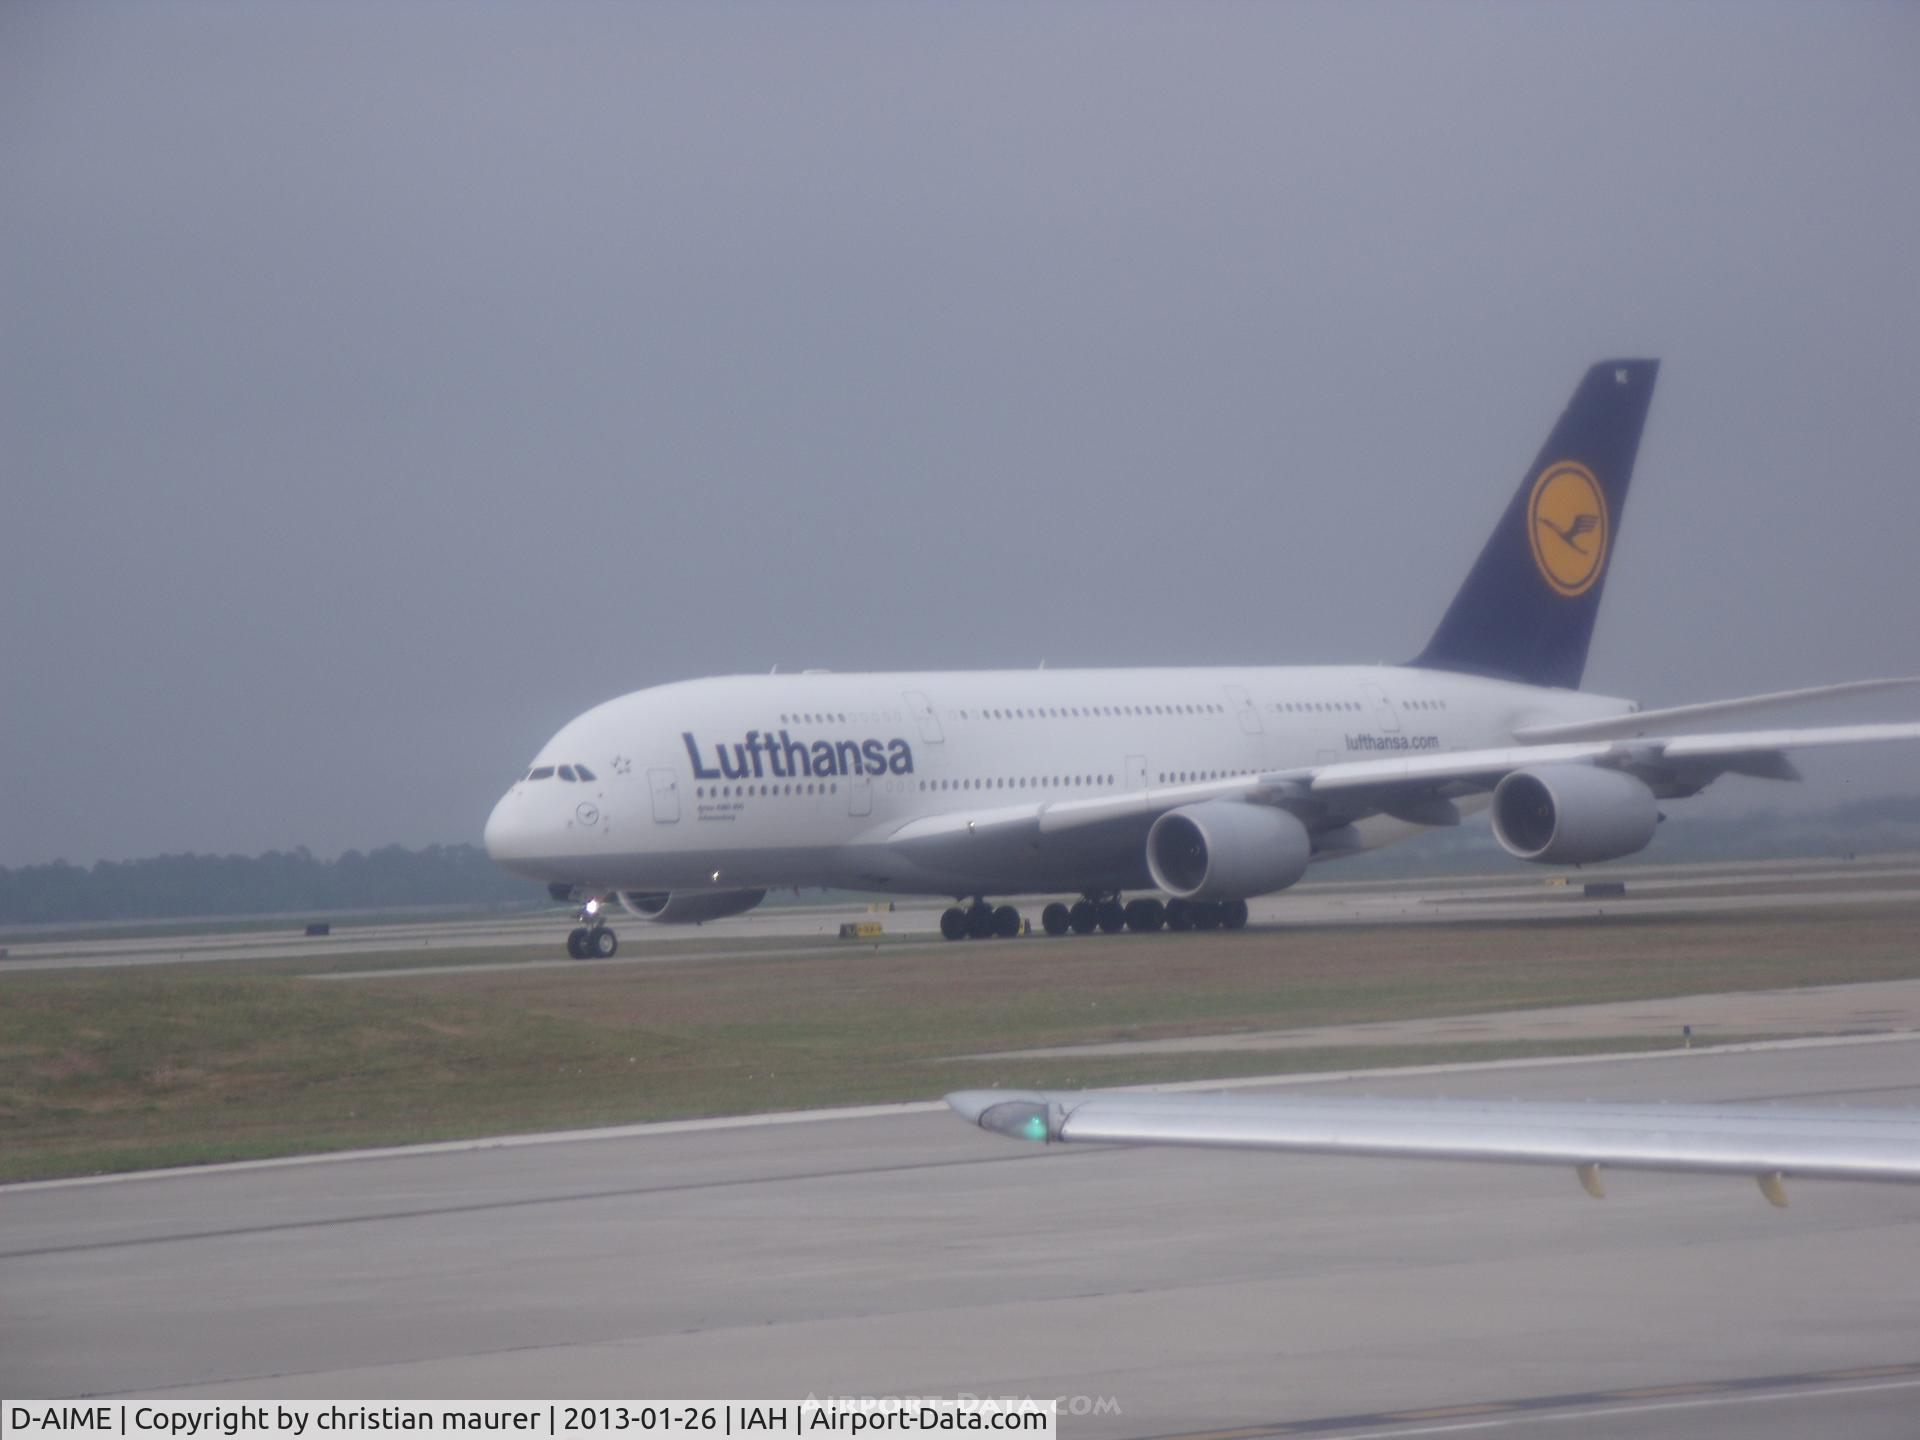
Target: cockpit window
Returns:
[[565, 772]]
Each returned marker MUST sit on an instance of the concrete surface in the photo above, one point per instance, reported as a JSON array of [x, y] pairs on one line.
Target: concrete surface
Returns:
[[905, 1252], [1524, 893]]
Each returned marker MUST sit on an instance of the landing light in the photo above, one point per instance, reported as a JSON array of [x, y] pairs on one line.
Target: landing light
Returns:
[[592, 907]]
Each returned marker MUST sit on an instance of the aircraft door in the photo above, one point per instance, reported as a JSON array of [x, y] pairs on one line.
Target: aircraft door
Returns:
[[1136, 772], [665, 786], [1384, 715], [1243, 705], [859, 795], [924, 717]]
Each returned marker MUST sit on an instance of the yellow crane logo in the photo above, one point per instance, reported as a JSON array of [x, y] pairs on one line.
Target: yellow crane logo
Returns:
[[1567, 527]]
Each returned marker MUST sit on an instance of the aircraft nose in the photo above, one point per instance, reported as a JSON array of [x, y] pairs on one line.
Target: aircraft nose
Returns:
[[506, 834]]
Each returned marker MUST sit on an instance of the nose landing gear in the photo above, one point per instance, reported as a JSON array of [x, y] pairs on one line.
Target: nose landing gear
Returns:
[[593, 940]]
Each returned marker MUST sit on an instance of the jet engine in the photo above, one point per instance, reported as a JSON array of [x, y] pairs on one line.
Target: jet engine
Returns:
[[1572, 814], [688, 908], [1226, 850]]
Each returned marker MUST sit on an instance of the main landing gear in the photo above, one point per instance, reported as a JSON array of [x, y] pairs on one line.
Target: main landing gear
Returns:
[[1206, 914], [1104, 912], [980, 921], [592, 940]]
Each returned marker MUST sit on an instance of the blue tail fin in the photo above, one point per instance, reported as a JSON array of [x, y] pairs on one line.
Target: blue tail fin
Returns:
[[1527, 609]]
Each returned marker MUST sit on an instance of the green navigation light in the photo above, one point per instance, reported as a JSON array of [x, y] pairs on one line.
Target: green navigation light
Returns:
[[1018, 1120]]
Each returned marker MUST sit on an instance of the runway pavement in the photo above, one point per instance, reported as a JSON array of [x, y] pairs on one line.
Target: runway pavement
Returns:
[[1520, 893], [906, 1252]]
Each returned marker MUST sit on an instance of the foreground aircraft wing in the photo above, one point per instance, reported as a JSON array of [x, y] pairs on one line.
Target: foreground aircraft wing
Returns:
[[1327, 796], [1765, 1141]]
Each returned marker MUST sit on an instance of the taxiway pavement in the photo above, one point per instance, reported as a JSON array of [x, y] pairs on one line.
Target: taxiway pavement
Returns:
[[1667, 891], [903, 1252]]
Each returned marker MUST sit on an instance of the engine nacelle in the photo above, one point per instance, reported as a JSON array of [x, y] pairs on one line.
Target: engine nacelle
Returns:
[[688, 908], [1572, 814], [1226, 850]]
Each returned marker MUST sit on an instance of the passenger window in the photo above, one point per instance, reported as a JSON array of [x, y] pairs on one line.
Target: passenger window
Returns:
[[543, 772]]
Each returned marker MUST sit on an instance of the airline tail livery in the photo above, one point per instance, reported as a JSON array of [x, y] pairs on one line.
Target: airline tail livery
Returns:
[[688, 802]]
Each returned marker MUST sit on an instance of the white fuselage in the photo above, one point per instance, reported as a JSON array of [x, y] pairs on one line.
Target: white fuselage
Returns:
[[802, 780]]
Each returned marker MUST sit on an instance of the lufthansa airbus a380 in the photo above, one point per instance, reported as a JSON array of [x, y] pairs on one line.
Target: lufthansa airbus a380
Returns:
[[689, 801]]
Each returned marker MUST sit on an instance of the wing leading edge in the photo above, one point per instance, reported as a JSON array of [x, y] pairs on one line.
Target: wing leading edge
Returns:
[[1338, 793], [1764, 1141], [1638, 722]]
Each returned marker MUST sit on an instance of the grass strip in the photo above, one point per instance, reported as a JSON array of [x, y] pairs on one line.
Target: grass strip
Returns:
[[166, 1065]]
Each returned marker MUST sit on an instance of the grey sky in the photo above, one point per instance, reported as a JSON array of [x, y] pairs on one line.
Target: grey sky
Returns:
[[382, 385]]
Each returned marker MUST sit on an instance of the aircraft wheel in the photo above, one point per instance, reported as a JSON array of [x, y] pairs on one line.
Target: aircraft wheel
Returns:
[[979, 921], [1179, 915], [602, 942], [1206, 915], [1145, 916], [1113, 919], [1081, 917], [1006, 922], [1053, 919], [577, 942], [1233, 914], [953, 923]]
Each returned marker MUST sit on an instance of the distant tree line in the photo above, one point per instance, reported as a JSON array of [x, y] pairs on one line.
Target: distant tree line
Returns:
[[278, 882]]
